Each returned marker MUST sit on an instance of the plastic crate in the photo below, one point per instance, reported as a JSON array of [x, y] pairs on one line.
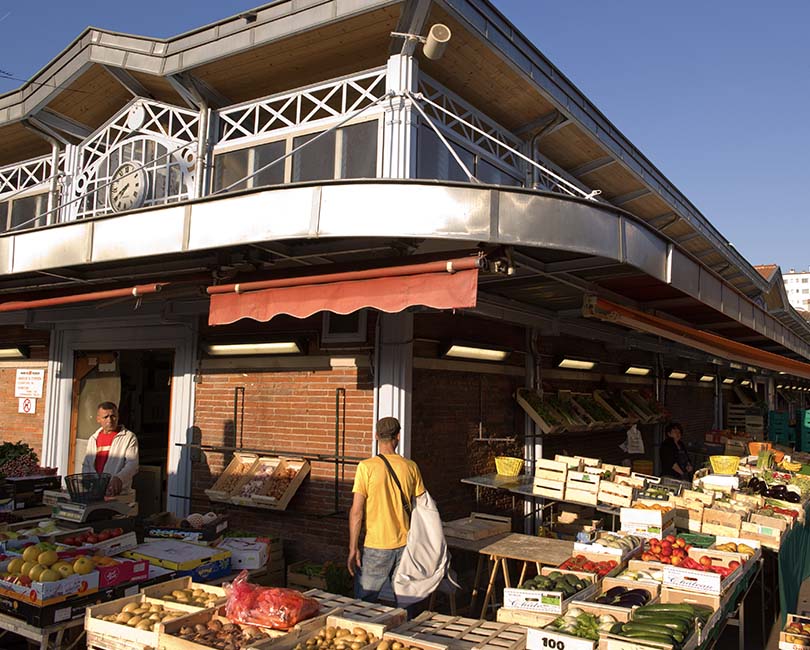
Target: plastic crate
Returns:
[[508, 466]]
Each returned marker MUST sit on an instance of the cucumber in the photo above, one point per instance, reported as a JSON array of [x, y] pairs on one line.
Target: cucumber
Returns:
[[650, 636], [655, 629], [672, 616], [672, 623], [670, 607]]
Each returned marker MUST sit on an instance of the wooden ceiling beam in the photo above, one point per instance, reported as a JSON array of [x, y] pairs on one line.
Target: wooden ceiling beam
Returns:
[[62, 123], [592, 166], [135, 87]]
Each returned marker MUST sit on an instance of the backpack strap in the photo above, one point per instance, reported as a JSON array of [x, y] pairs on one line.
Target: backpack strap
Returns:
[[405, 504]]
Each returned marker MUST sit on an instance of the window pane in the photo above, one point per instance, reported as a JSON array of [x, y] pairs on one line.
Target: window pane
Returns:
[[3, 216], [359, 151], [488, 173], [435, 161], [316, 161], [24, 211], [229, 168], [265, 154]]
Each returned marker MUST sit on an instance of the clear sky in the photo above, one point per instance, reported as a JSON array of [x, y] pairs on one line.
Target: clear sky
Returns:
[[716, 94]]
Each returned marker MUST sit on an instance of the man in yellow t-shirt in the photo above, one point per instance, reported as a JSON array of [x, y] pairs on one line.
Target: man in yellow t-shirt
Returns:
[[379, 501]]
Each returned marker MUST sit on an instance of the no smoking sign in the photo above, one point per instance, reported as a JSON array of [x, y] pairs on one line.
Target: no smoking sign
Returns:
[[27, 405]]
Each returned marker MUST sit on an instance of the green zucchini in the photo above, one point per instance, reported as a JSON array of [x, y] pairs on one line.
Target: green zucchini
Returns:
[[673, 623], [650, 636], [655, 629], [686, 608]]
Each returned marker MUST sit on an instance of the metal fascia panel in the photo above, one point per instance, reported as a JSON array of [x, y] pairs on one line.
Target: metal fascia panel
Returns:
[[685, 274], [120, 238], [273, 214], [6, 254], [746, 313], [711, 292], [731, 303], [52, 247], [645, 250]]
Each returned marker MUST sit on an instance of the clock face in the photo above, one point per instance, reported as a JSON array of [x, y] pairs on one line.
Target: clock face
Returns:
[[128, 187]]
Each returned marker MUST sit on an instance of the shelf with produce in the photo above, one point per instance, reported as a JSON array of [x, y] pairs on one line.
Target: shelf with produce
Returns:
[[544, 415], [602, 417]]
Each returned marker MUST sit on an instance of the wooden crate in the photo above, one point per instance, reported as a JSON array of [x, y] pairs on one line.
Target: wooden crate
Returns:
[[477, 526], [780, 523], [582, 487], [604, 400], [573, 463], [549, 489], [264, 498], [332, 620], [162, 589], [227, 482], [550, 470], [522, 617], [633, 481], [541, 639], [615, 494], [457, 633], [589, 462], [617, 470], [297, 579], [706, 498], [688, 514], [765, 535], [359, 610], [719, 522], [247, 487], [544, 423], [125, 637]]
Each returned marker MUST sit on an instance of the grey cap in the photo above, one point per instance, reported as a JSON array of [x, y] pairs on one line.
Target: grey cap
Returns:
[[387, 428]]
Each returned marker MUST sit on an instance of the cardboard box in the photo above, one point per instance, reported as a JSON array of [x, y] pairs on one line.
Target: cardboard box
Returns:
[[655, 524], [704, 582], [548, 601], [48, 593], [246, 552], [122, 572], [203, 563]]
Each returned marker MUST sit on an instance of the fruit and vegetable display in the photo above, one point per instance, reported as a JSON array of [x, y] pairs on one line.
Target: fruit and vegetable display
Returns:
[[595, 411], [619, 596], [41, 563], [143, 615], [278, 483], [778, 491], [197, 597], [732, 547], [18, 460], [670, 550], [272, 607], [90, 538], [334, 637], [566, 583], [670, 624], [228, 482], [221, 634], [657, 492], [582, 563], [649, 576], [549, 415], [651, 506], [797, 630], [771, 510], [584, 625], [259, 478], [625, 543]]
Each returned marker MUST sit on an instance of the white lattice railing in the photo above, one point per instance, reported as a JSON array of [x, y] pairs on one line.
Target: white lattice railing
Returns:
[[17, 178], [297, 108]]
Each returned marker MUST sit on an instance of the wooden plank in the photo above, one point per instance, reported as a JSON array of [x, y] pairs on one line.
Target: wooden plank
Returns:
[[529, 548], [477, 526]]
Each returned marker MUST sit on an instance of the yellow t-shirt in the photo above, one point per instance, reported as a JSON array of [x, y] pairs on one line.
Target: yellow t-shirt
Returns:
[[386, 521]]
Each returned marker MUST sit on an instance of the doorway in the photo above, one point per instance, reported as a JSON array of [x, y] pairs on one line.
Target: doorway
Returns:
[[140, 382]]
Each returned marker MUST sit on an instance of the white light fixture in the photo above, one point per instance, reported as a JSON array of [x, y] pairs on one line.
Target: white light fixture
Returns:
[[19, 352], [780, 385], [728, 380], [242, 349], [434, 44], [752, 369], [575, 364], [637, 371], [678, 374], [735, 365], [474, 352], [745, 382], [706, 378]]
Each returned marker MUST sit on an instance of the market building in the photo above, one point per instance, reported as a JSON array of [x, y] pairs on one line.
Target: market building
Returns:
[[388, 205]]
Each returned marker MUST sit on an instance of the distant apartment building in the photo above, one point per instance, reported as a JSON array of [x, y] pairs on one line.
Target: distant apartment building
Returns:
[[797, 286]]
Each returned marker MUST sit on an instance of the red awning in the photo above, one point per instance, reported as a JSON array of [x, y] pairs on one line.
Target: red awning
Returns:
[[694, 338], [449, 284]]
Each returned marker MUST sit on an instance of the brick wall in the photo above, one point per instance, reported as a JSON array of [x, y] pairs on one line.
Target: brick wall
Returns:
[[291, 412]]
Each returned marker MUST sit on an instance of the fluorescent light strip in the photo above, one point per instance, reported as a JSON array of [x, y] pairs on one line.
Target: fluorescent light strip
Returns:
[[728, 380], [576, 364], [638, 371], [706, 378], [745, 382], [481, 354], [12, 353], [238, 349], [678, 374]]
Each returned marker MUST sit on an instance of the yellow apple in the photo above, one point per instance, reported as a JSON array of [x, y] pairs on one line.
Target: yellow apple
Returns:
[[64, 570], [48, 558], [31, 554], [83, 565], [36, 572], [15, 566], [49, 575]]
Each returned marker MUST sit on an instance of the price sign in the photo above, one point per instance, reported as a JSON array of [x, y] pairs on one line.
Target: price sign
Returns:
[[29, 382], [27, 405], [544, 639]]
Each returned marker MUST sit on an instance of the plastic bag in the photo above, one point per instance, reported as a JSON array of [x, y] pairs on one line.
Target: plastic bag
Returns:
[[271, 607]]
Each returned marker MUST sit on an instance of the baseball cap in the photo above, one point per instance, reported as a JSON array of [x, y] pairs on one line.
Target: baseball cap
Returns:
[[387, 427]]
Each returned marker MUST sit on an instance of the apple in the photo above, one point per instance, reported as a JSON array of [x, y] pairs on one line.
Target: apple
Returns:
[[103, 536], [706, 561], [92, 539], [733, 564]]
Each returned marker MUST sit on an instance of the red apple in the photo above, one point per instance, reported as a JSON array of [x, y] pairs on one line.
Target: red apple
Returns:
[[670, 538], [116, 532], [91, 539], [733, 564], [103, 536], [706, 561]]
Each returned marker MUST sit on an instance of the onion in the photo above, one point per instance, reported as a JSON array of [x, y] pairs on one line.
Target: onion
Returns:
[[574, 612], [607, 618]]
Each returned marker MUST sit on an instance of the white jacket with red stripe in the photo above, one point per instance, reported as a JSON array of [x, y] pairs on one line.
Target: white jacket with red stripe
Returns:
[[122, 460]]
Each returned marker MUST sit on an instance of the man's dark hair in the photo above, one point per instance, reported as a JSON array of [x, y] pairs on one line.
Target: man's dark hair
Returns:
[[107, 406], [673, 425], [387, 428]]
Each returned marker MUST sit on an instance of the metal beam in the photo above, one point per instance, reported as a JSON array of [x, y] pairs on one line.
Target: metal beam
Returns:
[[590, 167], [670, 303], [630, 196], [661, 219], [539, 124], [135, 87], [195, 92], [583, 264], [64, 124], [689, 237], [411, 21]]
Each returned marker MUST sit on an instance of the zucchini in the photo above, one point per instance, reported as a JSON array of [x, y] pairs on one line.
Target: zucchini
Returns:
[[669, 607], [655, 629], [673, 623], [650, 636]]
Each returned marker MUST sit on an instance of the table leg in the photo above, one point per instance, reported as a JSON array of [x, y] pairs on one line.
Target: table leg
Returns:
[[741, 628], [506, 578], [496, 563], [474, 595], [523, 573]]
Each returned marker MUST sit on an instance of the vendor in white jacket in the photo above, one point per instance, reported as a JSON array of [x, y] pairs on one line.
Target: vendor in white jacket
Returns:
[[113, 449]]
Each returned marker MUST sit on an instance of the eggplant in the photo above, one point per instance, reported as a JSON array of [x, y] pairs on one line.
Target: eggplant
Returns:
[[779, 488], [615, 592], [604, 600], [762, 488], [792, 497], [753, 484], [634, 600]]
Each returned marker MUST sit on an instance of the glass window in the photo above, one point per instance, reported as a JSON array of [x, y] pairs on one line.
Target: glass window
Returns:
[[804, 280], [4, 216], [25, 210], [316, 161], [488, 173], [230, 167], [263, 155], [803, 290], [359, 150], [433, 160]]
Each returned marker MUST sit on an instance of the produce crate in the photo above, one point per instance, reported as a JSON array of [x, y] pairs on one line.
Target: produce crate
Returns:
[[298, 577], [791, 641], [457, 633], [551, 470], [585, 462], [549, 489], [477, 526], [561, 404], [233, 474], [633, 481], [620, 411], [523, 617], [542, 414], [647, 523], [546, 638], [706, 498], [359, 610], [161, 589], [640, 405], [765, 535], [283, 484], [254, 480], [547, 601], [582, 487], [688, 514], [118, 636], [720, 522], [592, 411], [672, 596], [572, 463], [616, 470], [616, 642], [334, 620], [704, 582]]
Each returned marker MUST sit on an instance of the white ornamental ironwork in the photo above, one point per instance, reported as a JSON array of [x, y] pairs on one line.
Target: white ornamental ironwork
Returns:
[[158, 138], [329, 100], [17, 178]]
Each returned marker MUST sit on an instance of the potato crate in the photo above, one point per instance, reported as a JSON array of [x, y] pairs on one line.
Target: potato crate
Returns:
[[163, 589], [223, 488], [359, 610], [280, 488], [477, 526], [254, 480], [334, 620], [720, 522], [119, 636], [432, 630], [582, 487]]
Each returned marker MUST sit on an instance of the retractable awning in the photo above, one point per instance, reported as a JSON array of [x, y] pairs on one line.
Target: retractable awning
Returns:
[[719, 346], [447, 284]]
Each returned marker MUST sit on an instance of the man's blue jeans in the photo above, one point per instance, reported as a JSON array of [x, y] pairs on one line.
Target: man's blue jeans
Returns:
[[377, 566]]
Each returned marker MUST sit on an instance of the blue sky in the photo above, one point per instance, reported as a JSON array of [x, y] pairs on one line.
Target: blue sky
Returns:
[[715, 94]]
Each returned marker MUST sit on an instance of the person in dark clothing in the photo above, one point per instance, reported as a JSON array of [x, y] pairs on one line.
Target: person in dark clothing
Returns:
[[675, 459]]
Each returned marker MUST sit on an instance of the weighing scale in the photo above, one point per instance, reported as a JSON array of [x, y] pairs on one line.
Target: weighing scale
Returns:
[[64, 509]]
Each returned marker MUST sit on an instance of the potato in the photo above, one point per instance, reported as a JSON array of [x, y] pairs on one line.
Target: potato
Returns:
[[385, 644], [123, 617], [168, 597], [396, 645], [133, 621], [130, 606], [144, 624]]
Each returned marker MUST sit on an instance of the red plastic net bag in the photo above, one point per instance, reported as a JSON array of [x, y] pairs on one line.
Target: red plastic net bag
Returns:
[[272, 607]]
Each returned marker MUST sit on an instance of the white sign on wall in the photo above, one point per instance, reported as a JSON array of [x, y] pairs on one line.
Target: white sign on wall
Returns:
[[29, 382], [27, 405]]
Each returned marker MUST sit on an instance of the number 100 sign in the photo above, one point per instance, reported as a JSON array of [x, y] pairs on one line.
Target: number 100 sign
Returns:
[[548, 640]]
